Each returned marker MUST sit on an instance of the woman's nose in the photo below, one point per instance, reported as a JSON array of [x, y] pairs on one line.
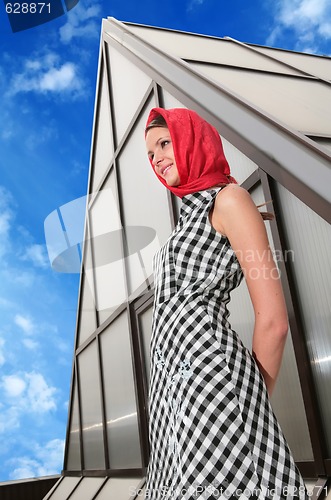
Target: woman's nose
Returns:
[[157, 159]]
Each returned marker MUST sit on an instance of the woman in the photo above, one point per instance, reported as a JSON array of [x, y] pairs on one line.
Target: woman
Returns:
[[212, 430]]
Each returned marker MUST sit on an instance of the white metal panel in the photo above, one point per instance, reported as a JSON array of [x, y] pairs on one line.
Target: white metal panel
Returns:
[[121, 410], [319, 66], [108, 254], [302, 104], [103, 143], [121, 489], [74, 458], [128, 86], [87, 310], [145, 205], [64, 489], [203, 48], [309, 236], [87, 488], [241, 167], [90, 401]]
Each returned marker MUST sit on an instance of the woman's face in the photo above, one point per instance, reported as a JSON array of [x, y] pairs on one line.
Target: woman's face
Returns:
[[161, 153]]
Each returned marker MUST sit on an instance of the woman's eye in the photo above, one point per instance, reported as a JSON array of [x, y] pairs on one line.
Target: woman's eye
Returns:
[[164, 143]]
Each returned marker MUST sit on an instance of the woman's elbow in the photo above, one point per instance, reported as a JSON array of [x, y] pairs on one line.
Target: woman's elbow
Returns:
[[281, 329], [275, 326]]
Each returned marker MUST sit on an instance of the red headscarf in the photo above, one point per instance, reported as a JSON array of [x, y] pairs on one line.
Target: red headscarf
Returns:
[[198, 151]]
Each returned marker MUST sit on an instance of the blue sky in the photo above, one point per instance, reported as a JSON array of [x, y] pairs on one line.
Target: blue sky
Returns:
[[47, 84]]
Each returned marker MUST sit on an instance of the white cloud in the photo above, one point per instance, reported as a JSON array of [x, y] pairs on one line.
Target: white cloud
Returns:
[[30, 392], [2, 352], [58, 79], [30, 344], [9, 419], [22, 278], [37, 254], [7, 304], [43, 461], [81, 22], [24, 323], [25, 468], [39, 395], [13, 385], [309, 20], [194, 3], [6, 219], [47, 75]]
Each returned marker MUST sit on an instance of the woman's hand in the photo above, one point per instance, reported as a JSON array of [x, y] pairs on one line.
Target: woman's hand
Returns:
[[236, 216]]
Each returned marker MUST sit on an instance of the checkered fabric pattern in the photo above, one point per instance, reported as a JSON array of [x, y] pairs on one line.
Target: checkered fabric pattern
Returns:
[[213, 433]]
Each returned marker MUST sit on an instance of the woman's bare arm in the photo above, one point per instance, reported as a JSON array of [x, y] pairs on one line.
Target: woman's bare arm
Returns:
[[236, 216]]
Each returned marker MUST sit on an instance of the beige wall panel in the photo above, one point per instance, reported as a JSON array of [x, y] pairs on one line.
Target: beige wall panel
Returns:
[[204, 48], [287, 398], [304, 105], [316, 65], [128, 86], [103, 144]]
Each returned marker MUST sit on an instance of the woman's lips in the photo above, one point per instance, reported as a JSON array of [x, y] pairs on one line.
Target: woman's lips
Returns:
[[166, 170]]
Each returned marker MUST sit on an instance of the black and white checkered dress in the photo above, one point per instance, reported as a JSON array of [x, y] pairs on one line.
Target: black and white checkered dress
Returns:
[[212, 431]]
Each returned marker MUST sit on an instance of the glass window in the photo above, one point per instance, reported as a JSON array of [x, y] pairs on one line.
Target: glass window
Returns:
[[129, 85], [93, 445], [121, 410]]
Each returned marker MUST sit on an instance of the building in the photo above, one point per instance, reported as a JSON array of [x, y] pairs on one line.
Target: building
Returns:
[[272, 109]]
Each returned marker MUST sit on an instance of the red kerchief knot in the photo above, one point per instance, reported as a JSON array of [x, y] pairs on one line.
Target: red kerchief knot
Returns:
[[198, 151]]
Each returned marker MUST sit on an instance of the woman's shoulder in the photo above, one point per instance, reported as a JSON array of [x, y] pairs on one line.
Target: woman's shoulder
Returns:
[[232, 203], [231, 196]]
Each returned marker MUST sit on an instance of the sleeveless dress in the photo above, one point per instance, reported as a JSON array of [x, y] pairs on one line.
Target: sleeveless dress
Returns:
[[213, 433]]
